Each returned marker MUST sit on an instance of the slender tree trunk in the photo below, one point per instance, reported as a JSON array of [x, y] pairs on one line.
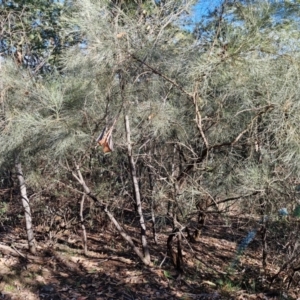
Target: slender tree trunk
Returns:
[[264, 245], [124, 235], [176, 257], [84, 237], [152, 206], [137, 192], [26, 206]]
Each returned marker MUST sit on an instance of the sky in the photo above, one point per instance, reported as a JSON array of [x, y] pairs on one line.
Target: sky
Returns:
[[203, 7]]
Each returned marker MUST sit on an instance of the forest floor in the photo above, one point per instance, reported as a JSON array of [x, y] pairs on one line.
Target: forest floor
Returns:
[[111, 270]]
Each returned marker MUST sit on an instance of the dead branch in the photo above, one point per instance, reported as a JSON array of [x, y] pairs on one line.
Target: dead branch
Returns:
[[78, 176], [7, 250]]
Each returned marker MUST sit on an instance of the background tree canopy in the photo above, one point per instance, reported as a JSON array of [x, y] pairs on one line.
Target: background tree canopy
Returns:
[[36, 31]]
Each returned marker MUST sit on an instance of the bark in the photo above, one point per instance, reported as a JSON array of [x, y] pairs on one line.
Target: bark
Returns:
[[264, 245], [137, 192], [124, 235], [26, 206], [84, 237], [153, 220], [171, 202], [152, 206], [176, 257]]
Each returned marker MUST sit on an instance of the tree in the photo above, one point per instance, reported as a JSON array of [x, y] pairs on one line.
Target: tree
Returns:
[[27, 209], [35, 32], [212, 115]]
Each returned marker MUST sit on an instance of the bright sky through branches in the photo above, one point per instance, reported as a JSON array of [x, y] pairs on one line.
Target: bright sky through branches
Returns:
[[201, 9]]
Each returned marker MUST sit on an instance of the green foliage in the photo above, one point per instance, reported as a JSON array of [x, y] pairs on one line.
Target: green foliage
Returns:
[[239, 73], [228, 285], [168, 275], [296, 212], [3, 210], [36, 27]]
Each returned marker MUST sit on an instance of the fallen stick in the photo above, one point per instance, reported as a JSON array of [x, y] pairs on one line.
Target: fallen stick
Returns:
[[7, 250]]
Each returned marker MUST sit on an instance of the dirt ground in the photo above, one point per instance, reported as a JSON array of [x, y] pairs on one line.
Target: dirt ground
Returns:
[[212, 268]]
